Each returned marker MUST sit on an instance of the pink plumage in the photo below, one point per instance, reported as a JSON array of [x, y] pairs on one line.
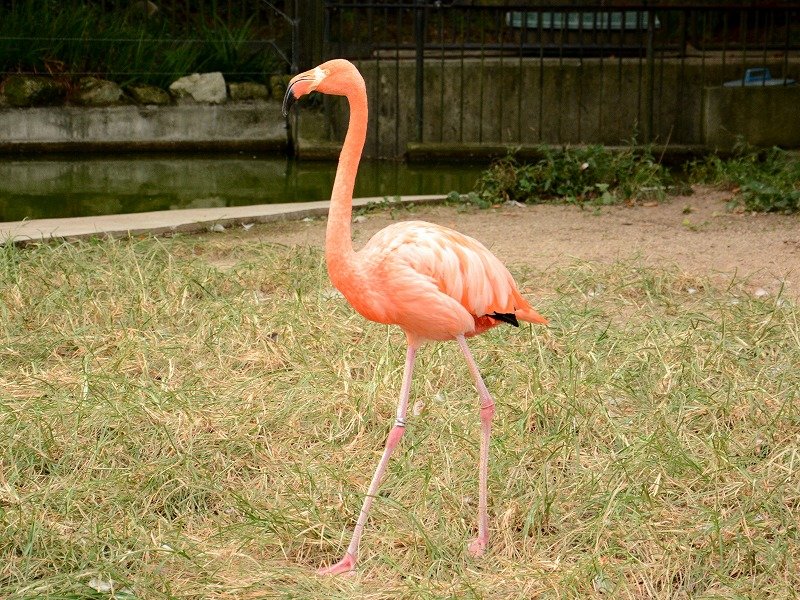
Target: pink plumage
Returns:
[[433, 282]]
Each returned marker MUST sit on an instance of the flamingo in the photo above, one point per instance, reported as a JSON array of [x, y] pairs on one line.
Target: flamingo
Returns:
[[434, 282]]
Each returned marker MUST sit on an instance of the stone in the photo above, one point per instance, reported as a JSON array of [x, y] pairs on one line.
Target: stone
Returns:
[[248, 90], [278, 84], [93, 91], [33, 90], [143, 93], [144, 8], [207, 88]]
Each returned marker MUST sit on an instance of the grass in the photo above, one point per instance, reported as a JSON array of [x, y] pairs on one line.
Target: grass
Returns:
[[198, 417]]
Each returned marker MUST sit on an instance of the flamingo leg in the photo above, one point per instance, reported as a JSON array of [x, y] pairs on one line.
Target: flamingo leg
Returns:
[[350, 558], [478, 545]]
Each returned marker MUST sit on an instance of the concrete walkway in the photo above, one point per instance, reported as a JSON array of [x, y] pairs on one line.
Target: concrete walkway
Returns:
[[167, 221]]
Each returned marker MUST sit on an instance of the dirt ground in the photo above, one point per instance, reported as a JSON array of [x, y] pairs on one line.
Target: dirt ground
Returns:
[[695, 233]]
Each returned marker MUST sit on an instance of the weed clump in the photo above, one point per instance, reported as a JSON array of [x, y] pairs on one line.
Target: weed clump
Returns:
[[592, 174], [764, 181]]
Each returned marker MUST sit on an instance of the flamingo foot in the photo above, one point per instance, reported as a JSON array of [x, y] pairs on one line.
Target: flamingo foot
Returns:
[[344, 566], [477, 547]]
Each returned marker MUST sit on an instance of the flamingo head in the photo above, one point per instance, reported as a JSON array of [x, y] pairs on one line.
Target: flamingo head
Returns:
[[337, 77]]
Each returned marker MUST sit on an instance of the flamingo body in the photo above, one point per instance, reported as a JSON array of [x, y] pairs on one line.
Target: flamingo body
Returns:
[[433, 282]]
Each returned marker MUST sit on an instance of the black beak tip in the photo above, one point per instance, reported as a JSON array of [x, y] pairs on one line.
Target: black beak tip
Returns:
[[288, 100]]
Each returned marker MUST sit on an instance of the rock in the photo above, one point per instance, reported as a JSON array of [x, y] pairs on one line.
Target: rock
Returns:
[[143, 8], [278, 84], [143, 93], [33, 90], [248, 91], [92, 91], [207, 88]]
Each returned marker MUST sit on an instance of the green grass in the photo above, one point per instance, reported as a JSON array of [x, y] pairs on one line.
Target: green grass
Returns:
[[198, 417]]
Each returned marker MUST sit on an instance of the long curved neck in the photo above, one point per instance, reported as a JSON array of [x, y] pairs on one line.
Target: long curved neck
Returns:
[[338, 240]]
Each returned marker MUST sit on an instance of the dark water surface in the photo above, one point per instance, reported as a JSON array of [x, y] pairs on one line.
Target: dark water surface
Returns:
[[80, 185]]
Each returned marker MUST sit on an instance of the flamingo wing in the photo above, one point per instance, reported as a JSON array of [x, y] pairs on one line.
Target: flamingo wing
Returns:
[[452, 279]]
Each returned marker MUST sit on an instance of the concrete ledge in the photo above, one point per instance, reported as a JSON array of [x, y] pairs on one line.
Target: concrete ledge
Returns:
[[186, 220], [762, 115], [235, 126]]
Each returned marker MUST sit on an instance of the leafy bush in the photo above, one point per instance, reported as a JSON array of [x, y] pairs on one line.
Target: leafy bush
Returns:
[[765, 182], [591, 174], [50, 37]]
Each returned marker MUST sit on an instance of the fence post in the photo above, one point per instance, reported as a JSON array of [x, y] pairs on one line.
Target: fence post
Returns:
[[309, 33], [651, 73], [419, 38]]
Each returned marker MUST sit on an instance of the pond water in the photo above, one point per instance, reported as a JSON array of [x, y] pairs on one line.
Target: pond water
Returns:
[[79, 186]]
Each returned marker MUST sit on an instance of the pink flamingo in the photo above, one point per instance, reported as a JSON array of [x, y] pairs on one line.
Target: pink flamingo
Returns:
[[433, 282]]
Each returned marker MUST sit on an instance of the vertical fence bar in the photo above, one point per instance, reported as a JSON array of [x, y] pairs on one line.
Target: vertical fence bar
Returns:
[[500, 74], [724, 45], [786, 44], [684, 18], [659, 50], [704, 40], [419, 83], [541, 74], [560, 80], [442, 113], [580, 74], [743, 41], [651, 70], [464, 29], [523, 34], [482, 21], [600, 43], [767, 29], [619, 75]]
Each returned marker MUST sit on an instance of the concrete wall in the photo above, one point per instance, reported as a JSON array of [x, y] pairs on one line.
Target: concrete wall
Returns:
[[251, 125], [474, 102], [764, 116], [511, 102]]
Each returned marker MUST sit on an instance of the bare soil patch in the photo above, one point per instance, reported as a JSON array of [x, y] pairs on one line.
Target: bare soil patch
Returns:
[[695, 233]]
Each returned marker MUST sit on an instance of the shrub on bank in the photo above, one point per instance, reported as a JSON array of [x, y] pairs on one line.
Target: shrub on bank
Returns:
[[128, 46], [763, 181], [767, 181], [592, 174]]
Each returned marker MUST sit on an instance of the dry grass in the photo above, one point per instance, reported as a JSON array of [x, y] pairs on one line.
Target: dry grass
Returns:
[[198, 417]]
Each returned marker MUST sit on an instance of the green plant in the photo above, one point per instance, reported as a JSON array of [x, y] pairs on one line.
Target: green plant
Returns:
[[48, 37], [591, 174], [764, 181]]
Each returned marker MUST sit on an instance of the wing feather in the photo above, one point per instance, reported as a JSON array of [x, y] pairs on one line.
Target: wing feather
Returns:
[[460, 266]]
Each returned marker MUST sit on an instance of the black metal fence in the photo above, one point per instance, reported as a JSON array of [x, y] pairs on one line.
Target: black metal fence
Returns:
[[444, 71], [515, 73], [148, 40]]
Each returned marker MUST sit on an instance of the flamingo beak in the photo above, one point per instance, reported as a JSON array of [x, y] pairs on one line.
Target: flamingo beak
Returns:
[[290, 98], [307, 81]]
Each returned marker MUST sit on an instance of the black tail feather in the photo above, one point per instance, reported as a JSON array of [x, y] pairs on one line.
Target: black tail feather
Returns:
[[509, 318]]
